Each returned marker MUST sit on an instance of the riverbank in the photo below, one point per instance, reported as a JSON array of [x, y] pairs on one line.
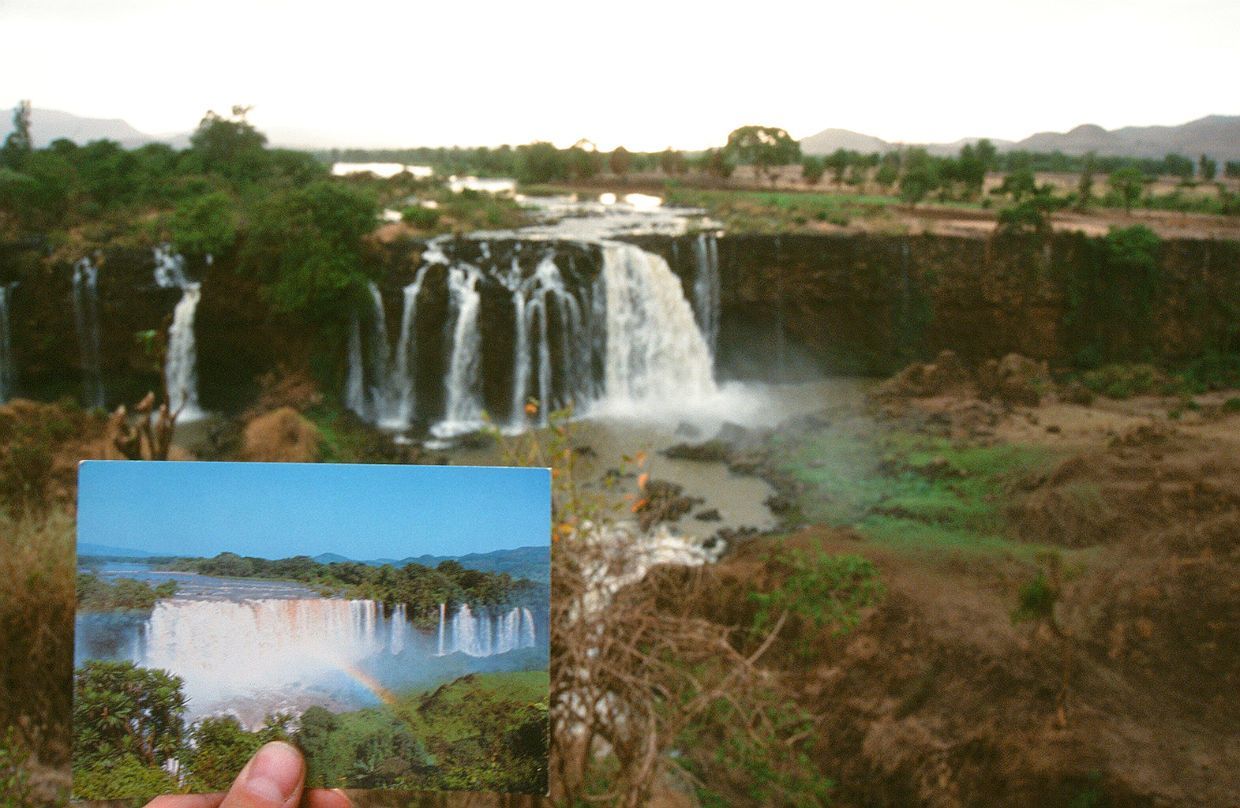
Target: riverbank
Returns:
[[1057, 619]]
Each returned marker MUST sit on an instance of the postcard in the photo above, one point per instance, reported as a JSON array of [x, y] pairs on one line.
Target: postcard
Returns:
[[390, 621]]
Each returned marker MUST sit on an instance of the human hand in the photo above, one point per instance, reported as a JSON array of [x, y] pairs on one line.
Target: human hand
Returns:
[[274, 778]]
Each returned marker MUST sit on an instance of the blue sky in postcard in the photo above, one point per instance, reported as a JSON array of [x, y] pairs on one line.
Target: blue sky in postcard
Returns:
[[277, 510]]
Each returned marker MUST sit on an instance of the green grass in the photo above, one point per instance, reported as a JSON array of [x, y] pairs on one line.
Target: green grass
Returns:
[[484, 731], [909, 492]]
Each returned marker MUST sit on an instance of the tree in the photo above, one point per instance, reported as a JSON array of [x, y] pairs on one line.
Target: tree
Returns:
[[540, 162], [766, 148], [1018, 184], [1232, 169], [305, 245], [1085, 185], [1127, 182], [121, 709], [229, 147], [1208, 168], [888, 171], [620, 161], [585, 162], [812, 169], [1178, 165], [921, 176], [673, 162], [838, 162], [19, 143], [204, 225], [1031, 214], [971, 168], [718, 164]]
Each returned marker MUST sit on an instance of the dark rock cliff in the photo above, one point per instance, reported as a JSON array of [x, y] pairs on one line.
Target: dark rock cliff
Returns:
[[792, 307]]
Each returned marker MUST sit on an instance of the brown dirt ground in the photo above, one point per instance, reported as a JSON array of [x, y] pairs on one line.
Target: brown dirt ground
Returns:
[[939, 698]]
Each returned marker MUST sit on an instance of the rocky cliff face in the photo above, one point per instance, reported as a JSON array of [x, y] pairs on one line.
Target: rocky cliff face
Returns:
[[789, 307], [793, 305]]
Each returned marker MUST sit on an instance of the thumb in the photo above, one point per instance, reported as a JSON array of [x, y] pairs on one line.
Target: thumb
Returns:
[[273, 778]]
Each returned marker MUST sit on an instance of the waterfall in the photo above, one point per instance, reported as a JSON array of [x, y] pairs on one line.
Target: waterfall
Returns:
[[443, 610], [464, 404], [706, 289], [86, 320], [402, 392], [181, 363], [377, 389], [625, 339], [382, 389], [655, 354], [276, 638], [520, 358], [181, 366], [7, 373], [531, 301], [355, 385], [480, 634]]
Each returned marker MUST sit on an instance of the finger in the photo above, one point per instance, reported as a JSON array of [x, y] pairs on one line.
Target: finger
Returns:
[[322, 798], [187, 801], [273, 778]]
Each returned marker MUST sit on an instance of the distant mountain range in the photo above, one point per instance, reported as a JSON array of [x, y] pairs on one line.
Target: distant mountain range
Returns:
[[1215, 135], [520, 562]]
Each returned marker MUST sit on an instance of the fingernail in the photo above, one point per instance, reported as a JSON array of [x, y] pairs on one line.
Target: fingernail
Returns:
[[274, 773]]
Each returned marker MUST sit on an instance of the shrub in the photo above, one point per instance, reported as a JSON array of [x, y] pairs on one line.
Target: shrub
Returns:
[[1125, 380], [421, 217], [819, 590]]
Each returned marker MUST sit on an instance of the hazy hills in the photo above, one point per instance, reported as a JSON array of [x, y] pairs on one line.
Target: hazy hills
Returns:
[[1215, 135], [519, 562]]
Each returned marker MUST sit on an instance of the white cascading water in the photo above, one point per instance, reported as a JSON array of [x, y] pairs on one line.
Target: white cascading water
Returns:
[[402, 394], [378, 354], [531, 300], [355, 383], [181, 363], [305, 640], [706, 288], [480, 634], [383, 390], [86, 321], [463, 412], [630, 344], [7, 372], [310, 638], [655, 353]]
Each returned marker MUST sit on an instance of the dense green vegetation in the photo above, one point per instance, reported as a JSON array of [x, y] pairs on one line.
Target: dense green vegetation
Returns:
[[94, 594], [420, 588], [823, 590], [479, 732], [128, 722], [482, 732], [910, 492]]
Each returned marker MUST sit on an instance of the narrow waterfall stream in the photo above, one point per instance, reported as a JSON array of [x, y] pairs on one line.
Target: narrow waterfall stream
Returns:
[[86, 321], [181, 362]]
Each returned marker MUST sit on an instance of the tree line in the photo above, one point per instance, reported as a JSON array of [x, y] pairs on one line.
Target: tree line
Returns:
[[421, 589]]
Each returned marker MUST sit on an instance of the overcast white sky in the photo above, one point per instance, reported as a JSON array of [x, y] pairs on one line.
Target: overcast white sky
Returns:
[[643, 73]]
